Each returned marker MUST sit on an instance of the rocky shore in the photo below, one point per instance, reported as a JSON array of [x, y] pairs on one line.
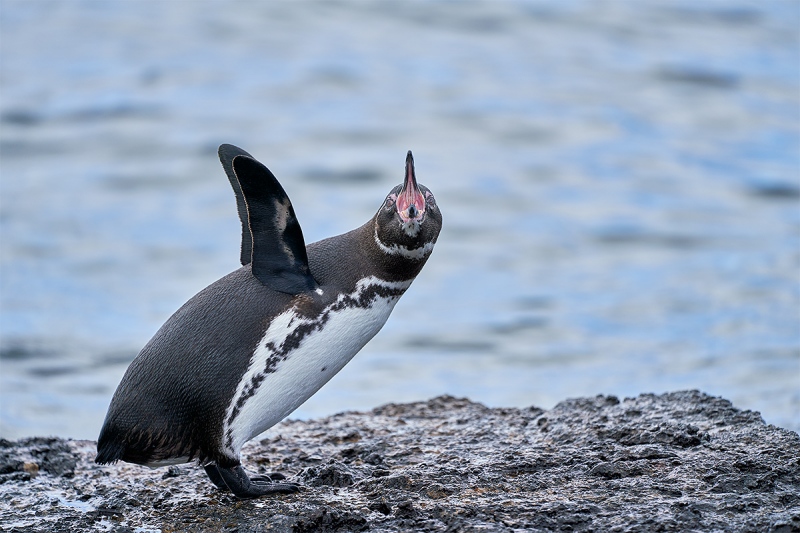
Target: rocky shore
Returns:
[[681, 461]]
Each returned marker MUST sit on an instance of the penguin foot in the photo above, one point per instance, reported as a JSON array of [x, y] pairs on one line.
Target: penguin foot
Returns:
[[268, 477], [242, 486], [213, 475]]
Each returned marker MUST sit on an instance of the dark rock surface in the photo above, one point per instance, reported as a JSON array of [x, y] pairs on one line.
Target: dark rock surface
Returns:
[[682, 461]]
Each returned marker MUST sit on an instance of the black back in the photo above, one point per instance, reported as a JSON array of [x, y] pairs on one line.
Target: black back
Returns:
[[172, 400]]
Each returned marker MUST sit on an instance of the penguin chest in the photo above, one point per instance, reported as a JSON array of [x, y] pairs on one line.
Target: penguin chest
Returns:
[[298, 354]]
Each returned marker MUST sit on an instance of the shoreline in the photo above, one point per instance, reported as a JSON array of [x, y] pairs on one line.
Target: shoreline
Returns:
[[671, 462]]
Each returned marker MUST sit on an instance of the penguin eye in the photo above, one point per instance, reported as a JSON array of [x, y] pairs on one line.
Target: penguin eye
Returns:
[[429, 199], [390, 200]]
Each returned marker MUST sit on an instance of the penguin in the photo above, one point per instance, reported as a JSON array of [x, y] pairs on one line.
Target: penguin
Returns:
[[250, 348]]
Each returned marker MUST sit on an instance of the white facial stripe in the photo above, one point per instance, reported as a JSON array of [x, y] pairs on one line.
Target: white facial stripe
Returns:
[[395, 249]]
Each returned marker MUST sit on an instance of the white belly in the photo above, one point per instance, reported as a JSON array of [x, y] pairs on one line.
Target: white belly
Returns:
[[284, 373]]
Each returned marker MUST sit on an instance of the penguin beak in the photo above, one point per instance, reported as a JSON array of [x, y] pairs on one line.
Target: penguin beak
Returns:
[[410, 201]]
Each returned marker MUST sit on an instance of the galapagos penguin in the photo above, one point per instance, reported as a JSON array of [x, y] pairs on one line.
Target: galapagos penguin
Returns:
[[251, 347]]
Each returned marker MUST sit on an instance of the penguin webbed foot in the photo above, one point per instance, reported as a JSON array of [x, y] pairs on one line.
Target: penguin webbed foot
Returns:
[[241, 485], [269, 477], [215, 477]]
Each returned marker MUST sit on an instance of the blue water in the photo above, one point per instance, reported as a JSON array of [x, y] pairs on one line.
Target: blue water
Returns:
[[620, 184]]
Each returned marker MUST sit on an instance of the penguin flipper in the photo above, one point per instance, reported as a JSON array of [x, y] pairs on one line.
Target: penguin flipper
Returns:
[[279, 259], [226, 154]]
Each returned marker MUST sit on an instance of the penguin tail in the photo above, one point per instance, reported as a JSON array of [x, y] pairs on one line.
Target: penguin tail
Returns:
[[109, 451], [142, 448]]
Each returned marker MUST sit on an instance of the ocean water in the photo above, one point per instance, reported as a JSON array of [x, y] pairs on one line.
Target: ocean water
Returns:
[[620, 185]]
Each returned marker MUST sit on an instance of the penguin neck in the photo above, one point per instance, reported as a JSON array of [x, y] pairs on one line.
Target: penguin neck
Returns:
[[344, 259], [394, 261]]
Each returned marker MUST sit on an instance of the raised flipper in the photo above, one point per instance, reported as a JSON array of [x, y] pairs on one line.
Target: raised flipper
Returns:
[[226, 154], [242, 486], [278, 258]]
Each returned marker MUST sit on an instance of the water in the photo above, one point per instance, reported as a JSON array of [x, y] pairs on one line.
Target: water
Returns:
[[620, 184]]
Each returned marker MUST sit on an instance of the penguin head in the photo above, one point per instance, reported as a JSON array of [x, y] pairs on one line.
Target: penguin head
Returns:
[[408, 223]]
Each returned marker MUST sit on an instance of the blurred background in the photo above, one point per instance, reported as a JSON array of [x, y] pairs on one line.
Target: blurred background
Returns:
[[620, 184]]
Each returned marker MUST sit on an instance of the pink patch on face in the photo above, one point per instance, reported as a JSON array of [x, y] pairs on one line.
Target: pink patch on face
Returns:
[[410, 196]]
